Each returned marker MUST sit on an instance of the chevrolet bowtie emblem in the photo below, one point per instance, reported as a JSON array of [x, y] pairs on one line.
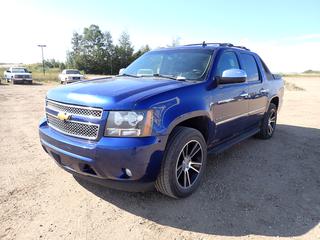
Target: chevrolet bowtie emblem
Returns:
[[64, 116]]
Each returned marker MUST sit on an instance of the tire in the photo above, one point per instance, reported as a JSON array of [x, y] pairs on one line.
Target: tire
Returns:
[[61, 82], [13, 82], [178, 163], [269, 123]]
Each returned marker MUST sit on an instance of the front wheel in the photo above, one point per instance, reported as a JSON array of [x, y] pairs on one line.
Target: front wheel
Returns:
[[184, 163], [269, 122]]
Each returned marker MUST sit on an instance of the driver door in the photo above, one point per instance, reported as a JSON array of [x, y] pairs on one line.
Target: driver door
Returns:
[[230, 101]]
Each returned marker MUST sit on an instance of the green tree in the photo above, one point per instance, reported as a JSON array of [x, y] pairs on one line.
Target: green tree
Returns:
[[140, 52], [123, 52], [93, 51]]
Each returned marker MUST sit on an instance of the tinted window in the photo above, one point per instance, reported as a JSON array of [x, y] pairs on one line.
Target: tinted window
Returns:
[[72, 72], [228, 60], [250, 66], [19, 70], [266, 70], [188, 64]]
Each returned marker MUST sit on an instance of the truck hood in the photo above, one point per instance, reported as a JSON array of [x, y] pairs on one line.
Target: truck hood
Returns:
[[119, 93]]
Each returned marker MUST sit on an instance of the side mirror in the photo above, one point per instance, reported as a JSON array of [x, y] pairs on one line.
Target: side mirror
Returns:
[[29, 71], [232, 76], [121, 71], [8, 71]]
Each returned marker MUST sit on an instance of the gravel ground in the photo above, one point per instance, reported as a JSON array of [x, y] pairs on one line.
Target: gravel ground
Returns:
[[255, 190]]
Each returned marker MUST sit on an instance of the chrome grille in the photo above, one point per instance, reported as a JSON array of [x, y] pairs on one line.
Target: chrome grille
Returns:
[[75, 110], [22, 76], [74, 128]]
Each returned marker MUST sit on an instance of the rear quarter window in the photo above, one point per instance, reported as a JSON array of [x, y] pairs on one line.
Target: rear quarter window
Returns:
[[266, 70]]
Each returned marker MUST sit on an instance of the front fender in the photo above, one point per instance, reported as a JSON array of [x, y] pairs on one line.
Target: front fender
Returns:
[[187, 116]]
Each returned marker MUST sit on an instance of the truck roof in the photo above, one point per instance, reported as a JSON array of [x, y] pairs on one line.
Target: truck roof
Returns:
[[205, 45]]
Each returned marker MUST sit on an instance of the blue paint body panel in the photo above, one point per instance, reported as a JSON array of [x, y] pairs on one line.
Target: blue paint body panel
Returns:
[[172, 102]]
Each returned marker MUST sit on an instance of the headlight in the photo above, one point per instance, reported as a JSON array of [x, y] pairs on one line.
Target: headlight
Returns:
[[129, 123]]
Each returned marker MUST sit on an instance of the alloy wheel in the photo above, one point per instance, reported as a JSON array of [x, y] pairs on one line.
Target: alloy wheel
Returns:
[[189, 164], [272, 122]]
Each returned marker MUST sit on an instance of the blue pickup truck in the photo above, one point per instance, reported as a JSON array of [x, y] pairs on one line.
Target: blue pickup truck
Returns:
[[154, 124]]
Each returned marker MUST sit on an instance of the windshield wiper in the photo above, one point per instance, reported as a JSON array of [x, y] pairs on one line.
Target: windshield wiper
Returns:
[[127, 75], [170, 77]]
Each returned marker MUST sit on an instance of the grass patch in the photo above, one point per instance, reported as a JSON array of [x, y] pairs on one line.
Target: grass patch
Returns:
[[51, 74], [297, 75]]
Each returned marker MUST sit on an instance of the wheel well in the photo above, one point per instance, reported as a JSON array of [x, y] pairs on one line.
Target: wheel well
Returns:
[[275, 101], [200, 123]]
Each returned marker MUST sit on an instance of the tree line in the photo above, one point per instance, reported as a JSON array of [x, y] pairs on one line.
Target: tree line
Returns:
[[93, 51]]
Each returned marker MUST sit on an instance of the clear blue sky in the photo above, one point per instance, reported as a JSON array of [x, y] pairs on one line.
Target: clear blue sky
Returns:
[[265, 25]]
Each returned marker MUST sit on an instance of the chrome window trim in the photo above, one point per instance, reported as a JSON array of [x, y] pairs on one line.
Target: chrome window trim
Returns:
[[239, 116], [257, 110]]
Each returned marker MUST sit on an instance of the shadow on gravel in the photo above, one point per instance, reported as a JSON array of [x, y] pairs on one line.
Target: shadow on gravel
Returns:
[[37, 84], [269, 188]]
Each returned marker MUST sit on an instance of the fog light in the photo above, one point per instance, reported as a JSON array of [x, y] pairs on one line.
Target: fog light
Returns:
[[128, 172]]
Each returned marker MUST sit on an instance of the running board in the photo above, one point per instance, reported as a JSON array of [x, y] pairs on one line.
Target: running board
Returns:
[[224, 146]]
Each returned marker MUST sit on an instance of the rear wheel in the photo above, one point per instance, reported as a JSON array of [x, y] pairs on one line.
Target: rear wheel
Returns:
[[184, 163], [269, 122]]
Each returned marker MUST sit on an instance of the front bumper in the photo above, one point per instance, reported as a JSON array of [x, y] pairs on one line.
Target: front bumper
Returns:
[[105, 161], [22, 79], [73, 80]]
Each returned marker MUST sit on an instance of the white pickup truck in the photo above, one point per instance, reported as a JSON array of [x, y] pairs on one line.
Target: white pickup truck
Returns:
[[17, 75], [70, 75]]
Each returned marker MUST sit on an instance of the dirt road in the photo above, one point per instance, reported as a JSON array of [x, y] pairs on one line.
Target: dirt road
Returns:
[[256, 190]]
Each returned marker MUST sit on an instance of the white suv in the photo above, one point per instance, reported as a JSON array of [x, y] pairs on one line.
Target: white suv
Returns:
[[17, 75], [70, 75]]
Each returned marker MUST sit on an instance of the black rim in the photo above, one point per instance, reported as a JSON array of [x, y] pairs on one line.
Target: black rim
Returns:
[[189, 164], [272, 122]]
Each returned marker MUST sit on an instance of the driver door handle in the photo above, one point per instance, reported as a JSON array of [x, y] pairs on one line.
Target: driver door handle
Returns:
[[244, 95], [264, 91]]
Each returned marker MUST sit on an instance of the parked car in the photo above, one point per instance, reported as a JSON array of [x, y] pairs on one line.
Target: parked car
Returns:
[[154, 124], [17, 75], [70, 76]]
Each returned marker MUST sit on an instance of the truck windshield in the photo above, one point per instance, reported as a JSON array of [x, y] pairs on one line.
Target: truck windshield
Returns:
[[19, 70], [72, 72], [185, 64]]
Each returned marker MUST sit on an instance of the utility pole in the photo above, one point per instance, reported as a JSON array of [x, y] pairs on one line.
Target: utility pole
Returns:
[[42, 46]]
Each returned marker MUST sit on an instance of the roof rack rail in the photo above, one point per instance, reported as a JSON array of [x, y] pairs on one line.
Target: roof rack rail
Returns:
[[243, 47], [219, 44]]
